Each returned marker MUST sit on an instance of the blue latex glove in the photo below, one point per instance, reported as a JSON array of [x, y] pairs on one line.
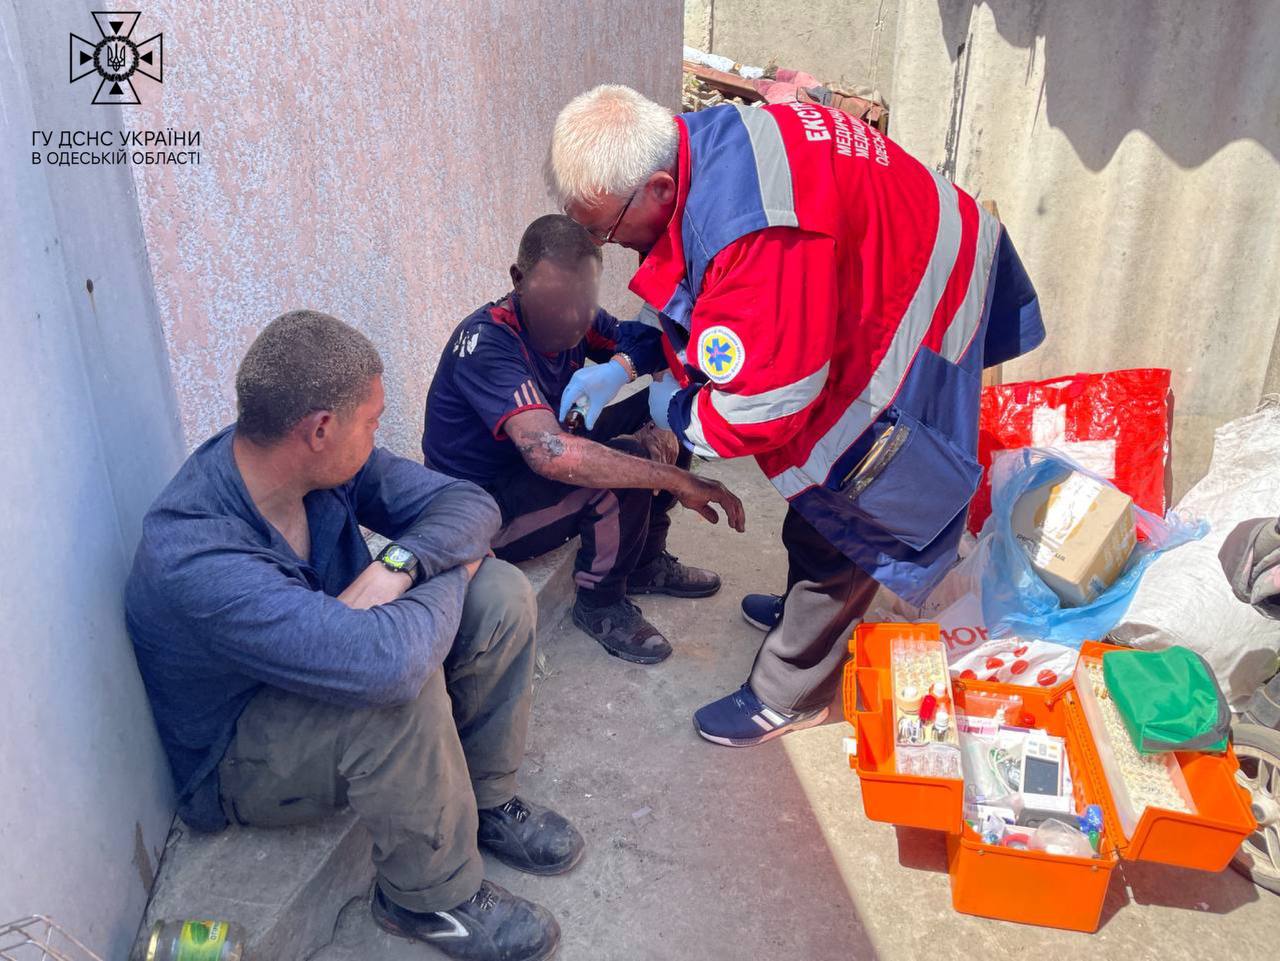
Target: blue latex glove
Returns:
[[597, 385], [660, 394]]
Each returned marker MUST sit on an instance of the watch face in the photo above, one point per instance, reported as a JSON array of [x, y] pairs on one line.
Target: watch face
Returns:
[[397, 556]]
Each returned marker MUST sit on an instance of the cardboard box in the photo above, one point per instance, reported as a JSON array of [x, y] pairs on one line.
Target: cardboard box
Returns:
[[1079, 534]]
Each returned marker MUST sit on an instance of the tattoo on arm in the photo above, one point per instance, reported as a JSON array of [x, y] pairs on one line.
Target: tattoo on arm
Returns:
[[552, 445], [571, 459]]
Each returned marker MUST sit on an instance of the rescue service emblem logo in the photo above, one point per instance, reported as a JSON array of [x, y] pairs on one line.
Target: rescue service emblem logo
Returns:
[[117, 57], [720, 354]]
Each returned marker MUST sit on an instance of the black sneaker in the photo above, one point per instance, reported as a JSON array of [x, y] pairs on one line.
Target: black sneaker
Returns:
[[622, 631], [530, 838], [493, 925], [666, 575], [762, 610]]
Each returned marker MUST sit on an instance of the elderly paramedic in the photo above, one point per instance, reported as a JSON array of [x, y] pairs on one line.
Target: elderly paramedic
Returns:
[[827, 304]]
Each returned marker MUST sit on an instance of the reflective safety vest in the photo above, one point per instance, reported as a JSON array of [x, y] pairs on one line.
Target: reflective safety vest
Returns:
[[877, 445]]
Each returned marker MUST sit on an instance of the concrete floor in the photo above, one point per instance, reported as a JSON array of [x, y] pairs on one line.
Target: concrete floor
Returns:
[[702, 853]]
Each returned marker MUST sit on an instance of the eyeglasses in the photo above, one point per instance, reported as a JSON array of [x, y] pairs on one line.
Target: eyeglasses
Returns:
[[617, 223]]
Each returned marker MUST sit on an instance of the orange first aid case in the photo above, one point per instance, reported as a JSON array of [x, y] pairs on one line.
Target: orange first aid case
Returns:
[[1032, 887]]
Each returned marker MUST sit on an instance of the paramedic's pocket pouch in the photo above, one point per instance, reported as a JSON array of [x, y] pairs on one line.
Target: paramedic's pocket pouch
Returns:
[[912, 482]]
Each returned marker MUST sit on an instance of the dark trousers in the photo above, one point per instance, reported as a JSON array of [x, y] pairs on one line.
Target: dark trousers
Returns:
[[798, 666], [414, 773], [622, 529]]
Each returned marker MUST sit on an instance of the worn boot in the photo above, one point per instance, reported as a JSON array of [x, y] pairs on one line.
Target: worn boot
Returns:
[[492, 925], [666, 575], [622, 631], [530, 838]]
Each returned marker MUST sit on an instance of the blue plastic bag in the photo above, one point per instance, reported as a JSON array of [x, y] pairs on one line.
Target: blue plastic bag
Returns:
[[1015, 601]]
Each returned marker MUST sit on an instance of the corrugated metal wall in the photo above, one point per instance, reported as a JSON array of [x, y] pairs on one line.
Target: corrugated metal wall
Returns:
[[1133, 150]]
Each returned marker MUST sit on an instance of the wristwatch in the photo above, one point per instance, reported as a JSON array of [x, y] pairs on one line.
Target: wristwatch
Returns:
[[399, 559]]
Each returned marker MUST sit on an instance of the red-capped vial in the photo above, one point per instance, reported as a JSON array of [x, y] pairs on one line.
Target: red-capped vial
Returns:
[[928, 707]]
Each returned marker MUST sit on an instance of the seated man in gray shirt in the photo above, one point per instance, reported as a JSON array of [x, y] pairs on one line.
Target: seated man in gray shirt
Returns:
[[292, 675]]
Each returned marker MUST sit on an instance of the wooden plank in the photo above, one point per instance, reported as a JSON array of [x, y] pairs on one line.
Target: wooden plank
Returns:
[[731, 85], [727, 83]]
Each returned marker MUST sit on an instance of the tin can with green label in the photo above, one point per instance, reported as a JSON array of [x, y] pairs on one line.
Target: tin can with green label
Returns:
[[195, 941]]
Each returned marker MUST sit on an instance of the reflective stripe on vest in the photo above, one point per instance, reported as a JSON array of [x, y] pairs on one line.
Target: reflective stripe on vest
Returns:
[[888, 376], [772, 166], [755, 408], [777, 199]]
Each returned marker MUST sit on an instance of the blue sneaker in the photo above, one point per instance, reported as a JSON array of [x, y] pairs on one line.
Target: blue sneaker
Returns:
[[741, 719], [762, 610]]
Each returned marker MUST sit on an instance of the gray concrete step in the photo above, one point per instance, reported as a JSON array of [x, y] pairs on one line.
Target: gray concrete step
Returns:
[[552, 578], [287, 887]]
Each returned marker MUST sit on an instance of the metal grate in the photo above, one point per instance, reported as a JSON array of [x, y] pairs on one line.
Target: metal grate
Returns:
[[38, 938]]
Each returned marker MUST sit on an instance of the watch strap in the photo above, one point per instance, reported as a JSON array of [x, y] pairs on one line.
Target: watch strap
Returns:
[[411, 566]]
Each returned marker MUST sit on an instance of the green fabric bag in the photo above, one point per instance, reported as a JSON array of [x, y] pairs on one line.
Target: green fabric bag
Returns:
[[1169, 700]]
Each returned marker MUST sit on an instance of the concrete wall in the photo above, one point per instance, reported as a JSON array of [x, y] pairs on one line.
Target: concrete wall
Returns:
[[849, 42], [1132, 149], [89, 435], [376, 161], [381, 171]]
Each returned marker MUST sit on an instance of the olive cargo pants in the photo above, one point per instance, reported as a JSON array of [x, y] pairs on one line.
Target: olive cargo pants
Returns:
[[413, 773]]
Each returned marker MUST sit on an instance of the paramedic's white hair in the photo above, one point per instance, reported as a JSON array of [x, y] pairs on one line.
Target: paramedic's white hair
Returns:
[[606, 142]]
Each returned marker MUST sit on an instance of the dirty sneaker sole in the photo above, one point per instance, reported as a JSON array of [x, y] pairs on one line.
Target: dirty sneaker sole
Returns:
[[759, 625], [618, 652], [675, 591], [543, 870], [393, 929], [388, 924]]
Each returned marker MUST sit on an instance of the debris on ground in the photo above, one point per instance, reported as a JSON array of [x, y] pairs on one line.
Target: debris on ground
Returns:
[[711, 79], [707, 87]]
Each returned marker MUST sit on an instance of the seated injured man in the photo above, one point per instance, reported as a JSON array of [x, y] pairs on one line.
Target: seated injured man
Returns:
[[494, 414], [291, 674]]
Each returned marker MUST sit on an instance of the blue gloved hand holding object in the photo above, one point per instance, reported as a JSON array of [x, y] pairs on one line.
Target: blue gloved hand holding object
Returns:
[[660, 394], [597, 385]]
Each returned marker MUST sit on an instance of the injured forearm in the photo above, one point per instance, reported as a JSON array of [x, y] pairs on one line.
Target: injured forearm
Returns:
[[576, 460]]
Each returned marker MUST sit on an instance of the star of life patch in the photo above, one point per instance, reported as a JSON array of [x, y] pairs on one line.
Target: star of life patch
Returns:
[[720, 354]]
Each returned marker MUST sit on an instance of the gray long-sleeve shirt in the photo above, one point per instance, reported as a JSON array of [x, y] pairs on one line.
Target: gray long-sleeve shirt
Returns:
[[219, 604]]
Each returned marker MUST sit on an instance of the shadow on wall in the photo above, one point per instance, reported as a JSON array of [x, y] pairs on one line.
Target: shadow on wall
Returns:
[[1193, 76]]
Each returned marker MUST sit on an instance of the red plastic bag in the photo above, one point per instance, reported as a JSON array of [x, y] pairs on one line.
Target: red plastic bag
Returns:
[[1115, 424]]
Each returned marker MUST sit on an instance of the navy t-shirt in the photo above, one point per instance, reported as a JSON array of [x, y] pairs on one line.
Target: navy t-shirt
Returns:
[[489, 371]]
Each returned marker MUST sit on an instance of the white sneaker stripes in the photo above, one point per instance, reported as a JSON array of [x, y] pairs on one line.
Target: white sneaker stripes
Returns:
[[768, 718]]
